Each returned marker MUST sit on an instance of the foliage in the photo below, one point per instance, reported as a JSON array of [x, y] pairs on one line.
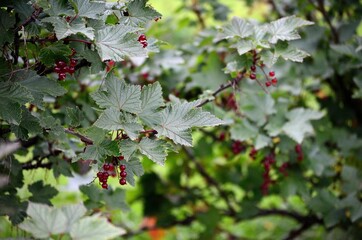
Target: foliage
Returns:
[[86, 93]]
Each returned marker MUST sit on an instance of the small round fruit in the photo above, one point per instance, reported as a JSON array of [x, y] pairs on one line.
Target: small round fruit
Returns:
[[252, 76], [142, 37], [122, 181], [144, 44], [58, 69], [120, 158], [123, 174], [298, 148], [268, 83], [99, 174], [274, 81], [105, 174], [71, 70], [106, 167], [105, 186], [253, 68], [122, 167], [73, 62], [62, 76], [61, 64], [271, 73]]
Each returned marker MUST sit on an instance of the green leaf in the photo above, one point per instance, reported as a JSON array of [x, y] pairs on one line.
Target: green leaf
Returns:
[[42, 193], [139, 14], [60, 167], [244, 46], [117, 42], [50, 54], [73, 116], [28, 125], [238, 27], [128, 148], [151, 101], [56, 8], [64, 29], [178, 119], [268, 57], [44, 221], [292, 54], [73, 213], [116, 200], [38, 86], [156, 150], [262, 141], [113, 119], [119, 95], [285, 28], [11, 96], [299, 126], [100, 151], [133, 168], [86, 8], [243, 131], [7, 22], [94, 228]]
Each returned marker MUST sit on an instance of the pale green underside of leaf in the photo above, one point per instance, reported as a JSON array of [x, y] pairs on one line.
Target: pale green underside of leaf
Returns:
[[152, 100], [119, 95], [94, 228], [139, 14], [299, 126], [285, 28], [64, 29], [156, 150], [238, 27], [178, 119], [118, 42], [89, 9], [58, 8], [243, 131], [113, 119]]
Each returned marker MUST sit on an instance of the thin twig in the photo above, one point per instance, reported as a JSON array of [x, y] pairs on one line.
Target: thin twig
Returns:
[[197, 10], [232, 83], [80, 136]]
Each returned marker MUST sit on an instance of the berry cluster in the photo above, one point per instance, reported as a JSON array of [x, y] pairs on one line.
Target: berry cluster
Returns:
[[253, 153], [237, 147], [268, 161], [143, 40], [122, 172], [62, 68], [283, 169], [270, 78], [108, 170], [299, 151]]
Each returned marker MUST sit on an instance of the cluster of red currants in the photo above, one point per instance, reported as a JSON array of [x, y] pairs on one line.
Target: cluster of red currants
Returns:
[[268, 161], [122, 172], [143, 40], [109, 169], [62, 68], [299, 151], [283, 169], [270, 78], [237, 147], [253, 153]]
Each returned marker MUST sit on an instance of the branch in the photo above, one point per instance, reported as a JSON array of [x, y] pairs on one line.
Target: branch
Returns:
[[30, 166], [80, 136], [197, 10], [210, 180], [232, 83], [320, 7]]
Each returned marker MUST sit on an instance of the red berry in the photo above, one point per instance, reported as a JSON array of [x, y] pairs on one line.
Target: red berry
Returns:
[[106, 166], [71, 70], [111, 168], [298, 148], [104, 185], [120, 158], [252, 76], [144, 44], [268, 83], [157, 18], [105, 174], [274, 81], [99, 174], [58, 69], [123, 174], [142, 38], [271, 73], [122, 167], [61, 76], [68, 18], [61, 64], [253, 68], [73, 62], [122, 181]]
